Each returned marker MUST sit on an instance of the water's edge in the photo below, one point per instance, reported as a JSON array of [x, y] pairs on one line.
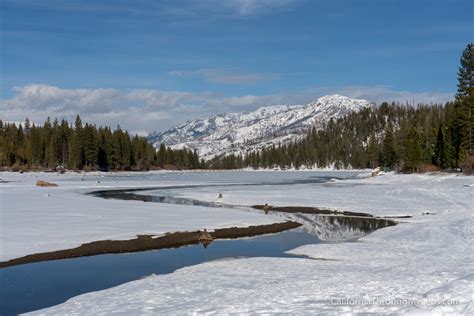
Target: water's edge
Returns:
[[149, 242], [42, 280], [34, 286], [292, 214]]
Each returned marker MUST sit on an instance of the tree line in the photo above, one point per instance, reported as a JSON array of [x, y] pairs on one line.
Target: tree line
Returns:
[[58, 145], [392, 136]]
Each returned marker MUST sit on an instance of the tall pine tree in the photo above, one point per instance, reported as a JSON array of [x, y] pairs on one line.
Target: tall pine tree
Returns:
[[465, 101]]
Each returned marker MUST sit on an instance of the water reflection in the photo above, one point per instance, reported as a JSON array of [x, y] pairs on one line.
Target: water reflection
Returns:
[[39, 285], [331, 228]]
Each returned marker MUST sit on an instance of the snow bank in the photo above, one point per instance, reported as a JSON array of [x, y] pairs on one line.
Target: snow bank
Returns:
[[40, 219], [425, 265], [268, 285], [384, 195]]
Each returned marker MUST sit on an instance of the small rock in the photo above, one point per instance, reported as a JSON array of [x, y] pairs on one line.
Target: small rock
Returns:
[[41, 183], [376, 172], [220, 196]]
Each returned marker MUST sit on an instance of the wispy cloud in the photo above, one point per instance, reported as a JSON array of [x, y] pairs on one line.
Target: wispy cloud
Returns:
[[142, 110], [217, 75], [164, 8], [249, 7]]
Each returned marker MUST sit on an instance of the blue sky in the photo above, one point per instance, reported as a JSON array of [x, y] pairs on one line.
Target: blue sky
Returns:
[[113, 61]]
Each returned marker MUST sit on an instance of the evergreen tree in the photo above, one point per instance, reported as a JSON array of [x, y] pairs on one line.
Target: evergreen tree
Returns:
[[91, 149], [76, 149], [465, 102], [441, 159], [354, 141], [161, 155], [27, 126], [373, 151], [389, 155], [57, 145], [34, 144], [413, 150]]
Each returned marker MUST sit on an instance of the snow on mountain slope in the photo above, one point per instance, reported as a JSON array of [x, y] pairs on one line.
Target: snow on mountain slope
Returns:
[[241, 132]]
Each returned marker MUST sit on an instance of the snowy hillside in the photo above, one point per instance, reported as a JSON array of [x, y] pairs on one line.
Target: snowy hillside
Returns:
[[239, 132]]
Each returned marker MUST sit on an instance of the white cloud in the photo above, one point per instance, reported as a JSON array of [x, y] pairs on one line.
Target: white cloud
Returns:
[[194, 8], [139, 133], [133, 109], [227, 8], [248, 7], [217, 75], [147, 110]]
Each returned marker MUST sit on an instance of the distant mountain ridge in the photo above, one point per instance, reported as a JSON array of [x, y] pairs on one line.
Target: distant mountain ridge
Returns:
[[241, 132]]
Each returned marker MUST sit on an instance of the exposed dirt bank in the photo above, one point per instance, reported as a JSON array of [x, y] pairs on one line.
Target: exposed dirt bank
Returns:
[[307, 210], [317, 210], [149, 242]]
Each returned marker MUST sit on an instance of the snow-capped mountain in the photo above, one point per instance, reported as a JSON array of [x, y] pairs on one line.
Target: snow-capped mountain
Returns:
[[241, 132]]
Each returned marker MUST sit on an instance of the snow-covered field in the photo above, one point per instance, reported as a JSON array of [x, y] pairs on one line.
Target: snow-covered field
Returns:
[[424, 264], [39, 219]]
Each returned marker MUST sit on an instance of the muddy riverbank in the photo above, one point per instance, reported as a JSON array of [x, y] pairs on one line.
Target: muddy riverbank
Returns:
[[149, 242]]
